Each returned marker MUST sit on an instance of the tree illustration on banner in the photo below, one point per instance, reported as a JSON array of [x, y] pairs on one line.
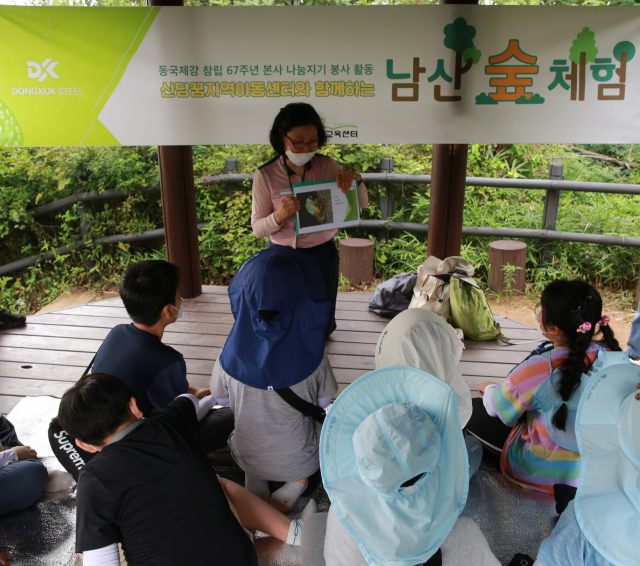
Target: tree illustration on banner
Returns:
[[10, 132], [582, 51], [459, 37]]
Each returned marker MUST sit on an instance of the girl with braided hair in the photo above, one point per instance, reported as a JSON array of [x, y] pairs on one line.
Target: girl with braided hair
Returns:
[[539, 398]]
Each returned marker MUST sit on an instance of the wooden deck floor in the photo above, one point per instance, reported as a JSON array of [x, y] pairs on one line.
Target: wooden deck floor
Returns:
[[52, 351]]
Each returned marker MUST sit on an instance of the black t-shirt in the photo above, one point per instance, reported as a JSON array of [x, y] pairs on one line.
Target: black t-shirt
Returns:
[[155, 372], [155, 492]]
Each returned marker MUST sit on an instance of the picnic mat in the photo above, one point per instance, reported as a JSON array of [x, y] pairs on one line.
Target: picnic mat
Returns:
[[512, 519]]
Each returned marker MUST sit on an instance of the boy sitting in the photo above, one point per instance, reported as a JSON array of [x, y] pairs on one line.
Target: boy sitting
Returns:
[[155, 372], [151, 488]]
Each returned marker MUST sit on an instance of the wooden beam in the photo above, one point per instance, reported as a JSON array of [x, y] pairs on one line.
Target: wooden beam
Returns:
[[179, 206], [446, 205]]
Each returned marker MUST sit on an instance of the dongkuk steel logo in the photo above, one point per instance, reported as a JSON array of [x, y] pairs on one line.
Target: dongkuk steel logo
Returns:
[[41, 71]]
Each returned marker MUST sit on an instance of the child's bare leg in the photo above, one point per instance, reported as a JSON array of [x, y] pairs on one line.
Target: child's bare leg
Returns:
[[255, 513]]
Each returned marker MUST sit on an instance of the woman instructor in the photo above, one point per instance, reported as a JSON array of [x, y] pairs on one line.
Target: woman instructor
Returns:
[[296, 135]]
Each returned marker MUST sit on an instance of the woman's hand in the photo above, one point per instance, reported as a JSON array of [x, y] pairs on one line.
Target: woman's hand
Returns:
[[288, 207], [484, 386], [345, 178]]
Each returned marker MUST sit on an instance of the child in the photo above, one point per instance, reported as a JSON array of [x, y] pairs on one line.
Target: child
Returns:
[[135, 353], [540, 397], [22, 478], [600, 527], [151, 488], [272, 367], [393, 464]]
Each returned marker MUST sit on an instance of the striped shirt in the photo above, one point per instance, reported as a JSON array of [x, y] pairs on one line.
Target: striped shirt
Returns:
[[530, 457], [271, 185]]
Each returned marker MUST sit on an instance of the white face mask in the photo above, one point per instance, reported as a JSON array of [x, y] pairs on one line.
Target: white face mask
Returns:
[[300, 159], [136, 414], [179, 315]]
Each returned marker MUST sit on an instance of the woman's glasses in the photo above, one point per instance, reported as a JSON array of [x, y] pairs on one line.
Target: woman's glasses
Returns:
[[301, 145]]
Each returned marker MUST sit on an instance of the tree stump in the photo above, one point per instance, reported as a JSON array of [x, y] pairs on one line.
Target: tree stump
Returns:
[[501, 254], [356, 260]]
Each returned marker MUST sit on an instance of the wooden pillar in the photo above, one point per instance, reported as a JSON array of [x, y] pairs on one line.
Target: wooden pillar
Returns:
[[179, 206], [446, 206]]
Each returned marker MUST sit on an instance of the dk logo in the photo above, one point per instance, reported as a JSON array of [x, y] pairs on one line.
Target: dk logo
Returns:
[[43, 70]]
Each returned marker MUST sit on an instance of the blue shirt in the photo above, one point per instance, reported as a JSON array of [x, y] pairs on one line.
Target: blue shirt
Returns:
[[155, 372], [567, 545]]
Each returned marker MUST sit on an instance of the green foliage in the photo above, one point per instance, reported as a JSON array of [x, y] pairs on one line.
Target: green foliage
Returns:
[[472, 53], [458, 35], [624, 47], [584, 43]]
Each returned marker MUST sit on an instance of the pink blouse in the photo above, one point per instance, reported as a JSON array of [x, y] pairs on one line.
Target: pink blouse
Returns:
[[270, 186]]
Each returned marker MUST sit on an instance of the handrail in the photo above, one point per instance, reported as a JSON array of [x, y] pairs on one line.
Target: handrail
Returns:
[[553, 186]]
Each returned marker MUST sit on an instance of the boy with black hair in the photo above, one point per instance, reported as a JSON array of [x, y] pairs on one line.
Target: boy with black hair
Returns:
[[151, 488], [155, 372]]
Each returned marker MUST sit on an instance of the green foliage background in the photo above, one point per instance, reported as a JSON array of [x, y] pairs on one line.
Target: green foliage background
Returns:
[[35, 176]]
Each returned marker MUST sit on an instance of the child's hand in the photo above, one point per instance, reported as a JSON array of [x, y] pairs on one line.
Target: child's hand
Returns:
[[25, 453], [484, 386]]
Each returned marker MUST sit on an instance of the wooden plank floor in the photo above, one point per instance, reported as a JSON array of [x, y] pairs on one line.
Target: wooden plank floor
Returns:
[[52, 351]]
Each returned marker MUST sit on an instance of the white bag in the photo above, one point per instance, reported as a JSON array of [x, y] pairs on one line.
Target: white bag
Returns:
[[431, 291]]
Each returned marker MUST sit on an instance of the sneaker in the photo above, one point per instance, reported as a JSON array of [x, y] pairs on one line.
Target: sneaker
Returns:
[[9, 320]]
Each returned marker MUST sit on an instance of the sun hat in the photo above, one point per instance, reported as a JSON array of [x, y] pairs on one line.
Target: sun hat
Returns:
[[288, 348], [386, 429], [421, 339], [607, 503]]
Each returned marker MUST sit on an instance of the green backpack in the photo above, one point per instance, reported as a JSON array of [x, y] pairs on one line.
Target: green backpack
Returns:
[[471, 313]]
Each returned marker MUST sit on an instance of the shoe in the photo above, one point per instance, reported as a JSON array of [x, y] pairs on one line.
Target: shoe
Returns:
[[635, 361], [9, 320]]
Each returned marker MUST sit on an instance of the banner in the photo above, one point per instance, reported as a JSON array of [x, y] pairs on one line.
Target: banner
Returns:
[[376, 74]]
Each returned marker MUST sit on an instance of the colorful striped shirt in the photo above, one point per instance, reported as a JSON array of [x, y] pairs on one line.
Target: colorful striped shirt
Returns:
[[530, 457]]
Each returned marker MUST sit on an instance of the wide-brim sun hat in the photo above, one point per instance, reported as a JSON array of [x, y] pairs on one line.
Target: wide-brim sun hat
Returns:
[[288, 348], [421, 339], [394, 464], [607, 503]]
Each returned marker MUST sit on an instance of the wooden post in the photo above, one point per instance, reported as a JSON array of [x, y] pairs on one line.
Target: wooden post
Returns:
[[179, 206], [507, 252], [446, 205], [356, 259], [386, 202], [551, 205]]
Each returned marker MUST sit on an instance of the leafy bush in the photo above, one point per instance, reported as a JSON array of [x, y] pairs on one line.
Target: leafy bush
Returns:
[[32, 177]]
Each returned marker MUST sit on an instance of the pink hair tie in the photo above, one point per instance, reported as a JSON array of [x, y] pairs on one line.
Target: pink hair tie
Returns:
[[604, 321], [584, 327]]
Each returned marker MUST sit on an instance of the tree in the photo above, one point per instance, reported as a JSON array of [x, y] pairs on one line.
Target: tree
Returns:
[[459, 37], [582, 51]]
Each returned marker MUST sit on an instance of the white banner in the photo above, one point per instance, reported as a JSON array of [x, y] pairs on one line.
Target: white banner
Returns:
[[376, 74]]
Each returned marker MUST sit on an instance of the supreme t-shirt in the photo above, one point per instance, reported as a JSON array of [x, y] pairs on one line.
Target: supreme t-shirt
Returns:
[[155, 492]]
